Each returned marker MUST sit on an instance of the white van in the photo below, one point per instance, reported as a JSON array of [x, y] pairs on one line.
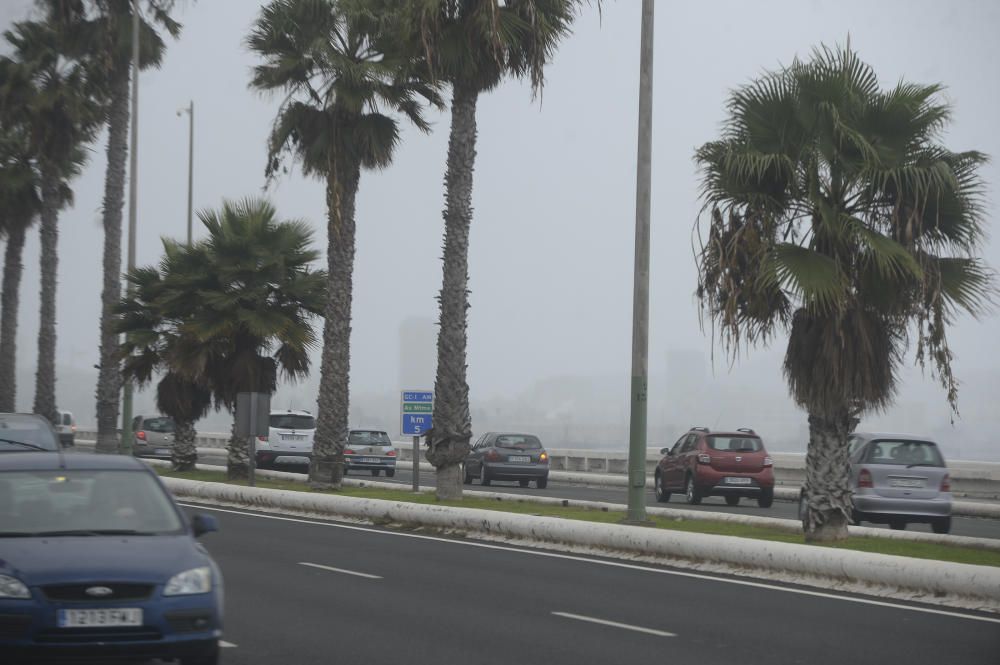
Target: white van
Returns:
[[66, 428], [289, 439]]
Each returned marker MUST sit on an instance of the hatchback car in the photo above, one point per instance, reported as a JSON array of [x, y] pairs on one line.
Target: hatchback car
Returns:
[[153, 436], [370, 450], [898, 479], [21, 432], [290, 438], [507, 456], [728, 464], [99, 563]]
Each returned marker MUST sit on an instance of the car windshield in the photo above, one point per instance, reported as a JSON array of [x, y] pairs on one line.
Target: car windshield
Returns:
[[77, 502], [518, 441], [292, 421], [22, 435], [366, 438], [904, 453], [742, 444], [164, 425]]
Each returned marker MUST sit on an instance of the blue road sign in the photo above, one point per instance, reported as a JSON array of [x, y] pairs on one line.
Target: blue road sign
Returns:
[[416, 412]]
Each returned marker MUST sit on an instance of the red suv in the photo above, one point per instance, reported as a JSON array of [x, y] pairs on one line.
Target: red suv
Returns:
[[704, 463]]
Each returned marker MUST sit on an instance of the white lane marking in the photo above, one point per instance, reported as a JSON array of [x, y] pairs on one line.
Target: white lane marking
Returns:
[[340, 570], [615, 624], [614, 564], [226, 645]]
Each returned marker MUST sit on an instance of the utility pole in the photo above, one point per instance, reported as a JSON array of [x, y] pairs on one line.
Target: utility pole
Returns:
[[190, 111], [125, 445], [640, 294]]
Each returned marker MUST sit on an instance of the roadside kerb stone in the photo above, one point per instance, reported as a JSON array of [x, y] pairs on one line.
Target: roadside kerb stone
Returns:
[[981, 583]]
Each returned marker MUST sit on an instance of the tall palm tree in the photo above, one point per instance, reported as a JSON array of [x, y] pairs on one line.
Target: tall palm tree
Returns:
[[342, 80], [99, 32], [154, 317], [471, 45], [835, 214], [55, 104], [257, 296], [19, 207]]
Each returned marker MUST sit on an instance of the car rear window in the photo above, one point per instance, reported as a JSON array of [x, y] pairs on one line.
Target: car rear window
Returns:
[[67, 419], [34, 434], [743, 444], [369, 438], [162, 425], [904, 453], [518, 441], [292, 421]]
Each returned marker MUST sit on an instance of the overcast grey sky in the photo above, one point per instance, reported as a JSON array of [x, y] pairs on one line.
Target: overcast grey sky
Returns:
[[552, 238]]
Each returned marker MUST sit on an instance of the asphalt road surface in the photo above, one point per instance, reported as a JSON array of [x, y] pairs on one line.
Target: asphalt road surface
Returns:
[[305, 591]]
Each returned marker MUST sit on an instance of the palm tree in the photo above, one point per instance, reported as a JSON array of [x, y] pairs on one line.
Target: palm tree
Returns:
[[20, 204], [257, 295], [471, 45], [154, 317], [341, 78], [99, 33], [51, 98], [836, 215]]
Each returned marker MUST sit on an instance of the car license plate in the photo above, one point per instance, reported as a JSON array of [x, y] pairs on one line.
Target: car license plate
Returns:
[[102, 618], [906, 482], [522, 459], [162, 451], [370, 460], [737, 481], [292, 437]]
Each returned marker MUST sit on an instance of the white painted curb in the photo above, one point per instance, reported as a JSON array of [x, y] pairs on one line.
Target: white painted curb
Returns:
[[930, 577]]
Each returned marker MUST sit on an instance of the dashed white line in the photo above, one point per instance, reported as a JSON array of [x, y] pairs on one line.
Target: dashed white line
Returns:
[[340, 570], [226, 645], [615, 624]]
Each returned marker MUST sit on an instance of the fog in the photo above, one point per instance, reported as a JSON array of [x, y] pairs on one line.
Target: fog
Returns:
[[552, 238]]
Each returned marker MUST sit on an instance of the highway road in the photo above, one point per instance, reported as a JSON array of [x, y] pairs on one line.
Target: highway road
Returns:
[[305, 591]]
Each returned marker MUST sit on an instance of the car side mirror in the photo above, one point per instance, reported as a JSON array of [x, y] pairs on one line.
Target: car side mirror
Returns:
[[665, 451], [202, 524]]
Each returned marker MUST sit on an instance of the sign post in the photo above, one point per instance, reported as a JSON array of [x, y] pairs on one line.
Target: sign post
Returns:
[[252, 420], [416, 408]]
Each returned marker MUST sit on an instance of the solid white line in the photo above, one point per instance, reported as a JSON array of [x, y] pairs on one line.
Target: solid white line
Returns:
[[615, 624], [226, 645], [614, 564], [340, 570]]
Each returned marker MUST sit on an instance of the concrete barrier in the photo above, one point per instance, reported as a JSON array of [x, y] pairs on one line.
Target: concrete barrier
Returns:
[[815, 565]]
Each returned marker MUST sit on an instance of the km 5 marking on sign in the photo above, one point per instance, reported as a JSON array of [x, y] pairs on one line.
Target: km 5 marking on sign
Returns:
[[416, 409]]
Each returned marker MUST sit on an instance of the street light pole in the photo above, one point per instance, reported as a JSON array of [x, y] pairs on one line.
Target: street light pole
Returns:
[[190, 111], [126, 443], [640, 294]]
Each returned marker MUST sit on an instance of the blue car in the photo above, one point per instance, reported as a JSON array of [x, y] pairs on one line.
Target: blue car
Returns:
[[98, 563]]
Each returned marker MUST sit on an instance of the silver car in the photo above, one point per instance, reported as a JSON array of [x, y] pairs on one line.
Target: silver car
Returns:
[[898, 479], [153, 436], [370, 450]]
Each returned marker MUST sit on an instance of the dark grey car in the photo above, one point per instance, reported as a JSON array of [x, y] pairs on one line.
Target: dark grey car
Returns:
[[507, 456], [24, 432]]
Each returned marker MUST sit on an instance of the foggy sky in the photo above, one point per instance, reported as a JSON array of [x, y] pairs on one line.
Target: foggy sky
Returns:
[[554, 198]]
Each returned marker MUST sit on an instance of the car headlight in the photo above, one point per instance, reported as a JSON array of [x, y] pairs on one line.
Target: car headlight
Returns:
[[11, 587], [196, 580]]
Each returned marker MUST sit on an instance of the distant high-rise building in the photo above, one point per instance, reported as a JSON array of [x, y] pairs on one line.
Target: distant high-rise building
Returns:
[[417, 353]]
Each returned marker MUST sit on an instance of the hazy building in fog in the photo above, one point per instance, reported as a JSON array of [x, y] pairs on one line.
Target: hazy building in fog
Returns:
[[417, 353]]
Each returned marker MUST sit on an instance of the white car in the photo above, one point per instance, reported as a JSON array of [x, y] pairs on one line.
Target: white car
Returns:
[[66, 428], [289, 439]]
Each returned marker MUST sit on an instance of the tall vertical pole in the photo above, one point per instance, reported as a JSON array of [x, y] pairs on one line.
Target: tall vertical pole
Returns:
[[190, 164], [126, 442], [640, 296], [416, 464]]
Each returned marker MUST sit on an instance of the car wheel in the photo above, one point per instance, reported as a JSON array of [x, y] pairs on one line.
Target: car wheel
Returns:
[[941, 524], [466, 477], [732, 500], [661, 494], [209, 657], [523, 482], [390, 473], [897, 525], [484, 476], [766, 498], [691, 493], [542, 482], [375, 472], [856, 517]]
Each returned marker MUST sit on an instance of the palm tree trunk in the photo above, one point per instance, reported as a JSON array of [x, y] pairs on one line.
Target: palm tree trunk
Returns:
[[237, 456], [184, 454], [13, 267], [448, 441], [326, 470], [109, 377], [828, 475], [45, 376]]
